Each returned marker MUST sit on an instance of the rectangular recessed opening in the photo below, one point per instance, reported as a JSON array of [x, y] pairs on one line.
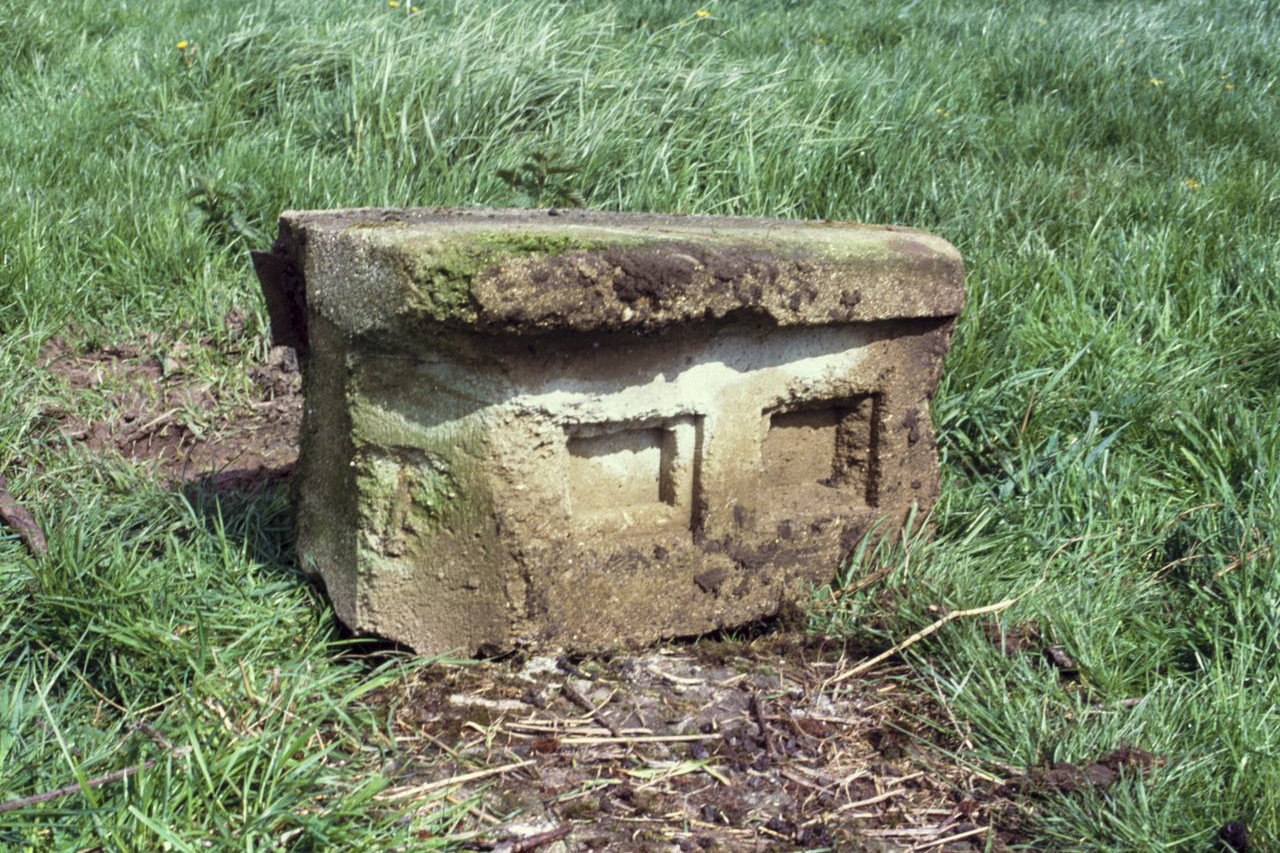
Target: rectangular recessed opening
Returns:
[[829, 443], [625, 475], [619, 469], [800, 447]]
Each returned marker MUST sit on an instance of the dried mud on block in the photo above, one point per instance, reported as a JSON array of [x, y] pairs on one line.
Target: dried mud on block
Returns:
[[716, 746], [160, 413]]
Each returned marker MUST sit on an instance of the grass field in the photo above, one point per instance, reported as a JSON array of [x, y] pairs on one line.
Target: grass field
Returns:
[[1109, 420]]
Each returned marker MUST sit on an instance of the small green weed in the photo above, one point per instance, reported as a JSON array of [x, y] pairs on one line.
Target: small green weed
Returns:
[[218, 209], [543, 180]]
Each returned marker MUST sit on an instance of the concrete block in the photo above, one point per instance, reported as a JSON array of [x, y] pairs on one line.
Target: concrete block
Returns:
[[588, 429]]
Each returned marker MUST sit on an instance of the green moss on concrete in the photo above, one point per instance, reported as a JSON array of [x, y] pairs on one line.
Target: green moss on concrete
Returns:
[[433, 491], [414, 482], [407, 495], [378, 484], [537, 244], [441, 272], [375, 223]]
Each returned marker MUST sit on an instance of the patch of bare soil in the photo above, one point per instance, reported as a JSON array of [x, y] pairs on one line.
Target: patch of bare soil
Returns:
[[716, 746], [160, 412]]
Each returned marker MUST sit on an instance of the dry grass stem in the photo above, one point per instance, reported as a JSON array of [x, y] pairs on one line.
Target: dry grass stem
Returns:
[[959, 836], [404, 793], [925, 632]]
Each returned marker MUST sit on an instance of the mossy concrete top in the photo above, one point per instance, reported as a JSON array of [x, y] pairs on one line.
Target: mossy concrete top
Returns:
[[520, 272]]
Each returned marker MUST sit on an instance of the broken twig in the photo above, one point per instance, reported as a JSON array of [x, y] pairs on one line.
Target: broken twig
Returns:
[[523, 845], [97, 781], [757, 713], [926, 631], [589, 741], [114, 776], [575, 696], [938, 842], [453, 780], [95, 691], [1230, 567], [534, 841], [17, 517]]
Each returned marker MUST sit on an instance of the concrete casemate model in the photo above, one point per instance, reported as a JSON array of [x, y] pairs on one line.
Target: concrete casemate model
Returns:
[[586, 429]]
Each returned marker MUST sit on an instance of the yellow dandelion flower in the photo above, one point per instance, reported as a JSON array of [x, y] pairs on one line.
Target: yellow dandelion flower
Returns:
[[393, 4], [413, 10], [1156, 81], [702, 13], [1228, 86], [1191, 184], [183, 45]]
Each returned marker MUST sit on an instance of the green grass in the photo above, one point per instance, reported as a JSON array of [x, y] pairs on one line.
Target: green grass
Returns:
[[1109, 420]]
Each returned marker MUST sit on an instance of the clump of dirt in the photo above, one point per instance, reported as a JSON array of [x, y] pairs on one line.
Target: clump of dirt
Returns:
[[160, 412], [716, 746], [1065, 777]]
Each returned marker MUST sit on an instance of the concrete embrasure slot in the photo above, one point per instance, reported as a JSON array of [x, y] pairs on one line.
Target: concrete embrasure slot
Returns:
[[588, 429], [826, 443], [621, 475]]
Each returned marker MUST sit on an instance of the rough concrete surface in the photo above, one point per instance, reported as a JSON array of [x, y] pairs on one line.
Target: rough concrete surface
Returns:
[[592, 429]]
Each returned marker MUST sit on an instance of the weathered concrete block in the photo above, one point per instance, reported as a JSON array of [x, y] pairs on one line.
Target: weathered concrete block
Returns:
[[587, 429]]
